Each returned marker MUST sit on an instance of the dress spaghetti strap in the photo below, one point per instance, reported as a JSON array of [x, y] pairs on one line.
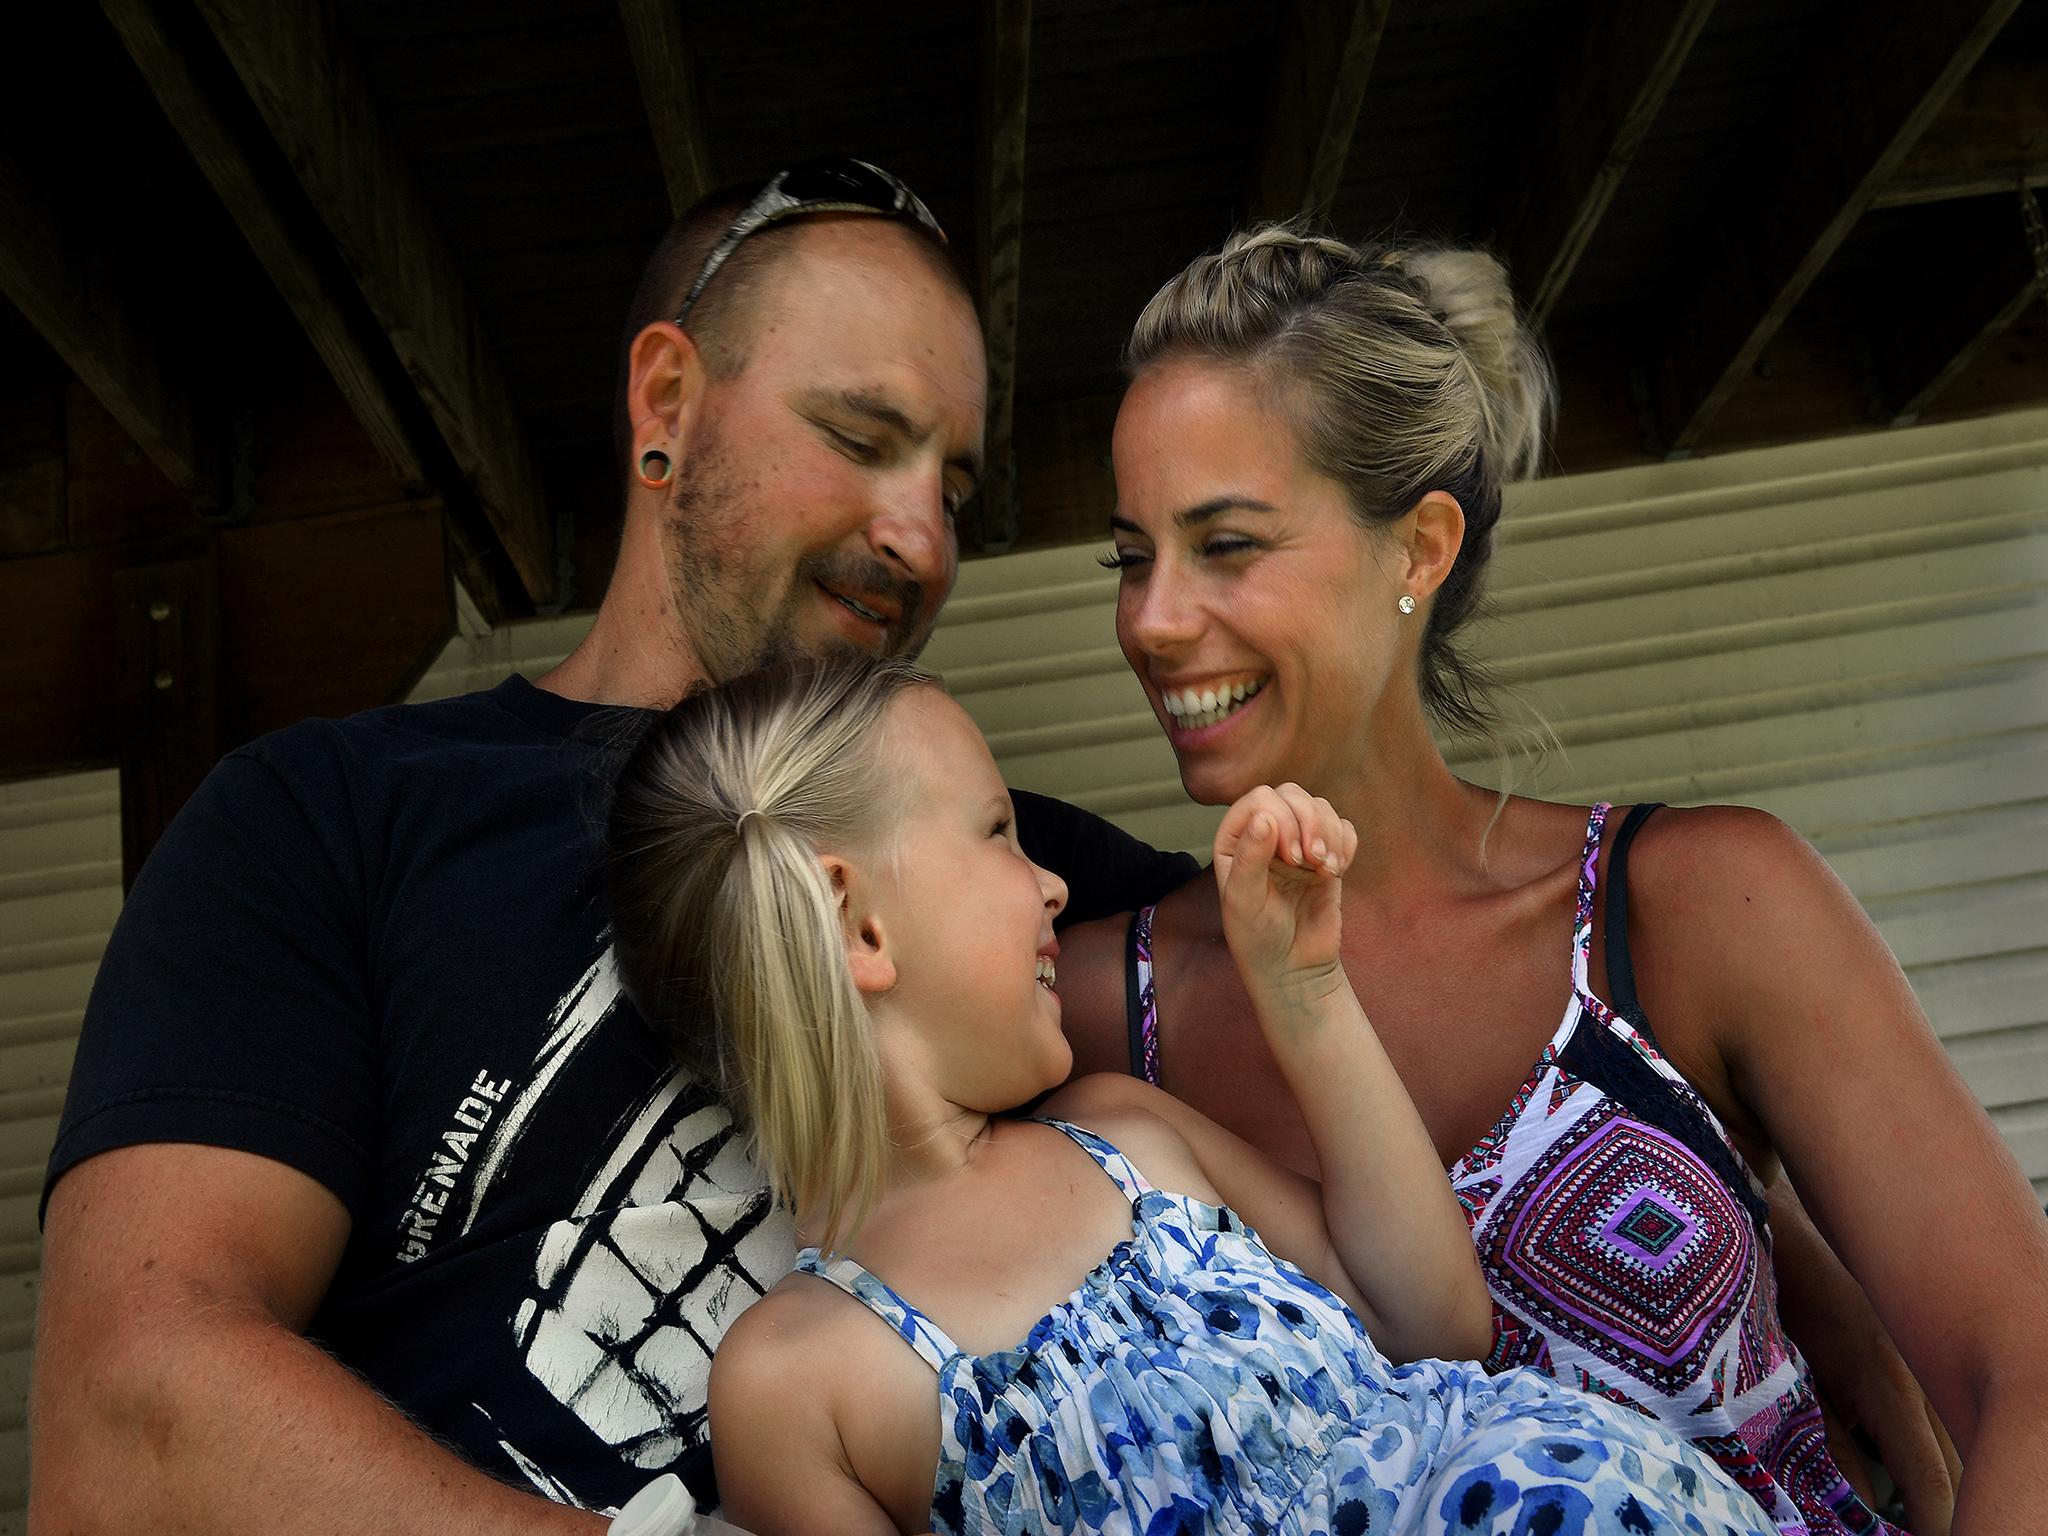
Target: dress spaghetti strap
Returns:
[[912, 1326], [1107, 1158], [1141, 1009]]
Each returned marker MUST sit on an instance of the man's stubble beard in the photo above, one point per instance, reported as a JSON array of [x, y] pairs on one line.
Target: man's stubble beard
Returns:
[[736, 621]]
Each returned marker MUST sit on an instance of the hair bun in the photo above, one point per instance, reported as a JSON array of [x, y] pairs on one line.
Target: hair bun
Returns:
[[1469, 291]]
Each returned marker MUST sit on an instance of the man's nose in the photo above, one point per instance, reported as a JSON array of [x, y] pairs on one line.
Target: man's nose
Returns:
[[914, 534]]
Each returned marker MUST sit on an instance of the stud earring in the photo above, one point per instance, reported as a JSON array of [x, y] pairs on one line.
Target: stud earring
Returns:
[[655, 468], [1407, 603]]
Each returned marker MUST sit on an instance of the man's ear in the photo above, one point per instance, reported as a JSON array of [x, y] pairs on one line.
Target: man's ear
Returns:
[[665, 381], [1435, 532], [868, 951]]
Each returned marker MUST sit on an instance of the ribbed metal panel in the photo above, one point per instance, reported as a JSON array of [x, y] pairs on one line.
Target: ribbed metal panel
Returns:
[[1852, 635]]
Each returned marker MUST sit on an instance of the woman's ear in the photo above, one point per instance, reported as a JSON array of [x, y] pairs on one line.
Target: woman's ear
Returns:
[[868, 952], [1435, 534]]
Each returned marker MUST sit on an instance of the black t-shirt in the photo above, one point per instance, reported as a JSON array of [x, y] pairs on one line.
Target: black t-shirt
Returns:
[[373, 949]]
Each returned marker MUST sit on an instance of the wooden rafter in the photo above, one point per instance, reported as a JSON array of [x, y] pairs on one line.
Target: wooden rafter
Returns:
[[1931, 316], [1992, 136], [668, 88], [318, 105], [1567, 168], [1327, 49], [86, 306], [999, 216], [1851, 128]]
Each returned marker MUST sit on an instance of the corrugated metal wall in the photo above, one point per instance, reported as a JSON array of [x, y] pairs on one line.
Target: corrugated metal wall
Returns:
[[1853, 635]]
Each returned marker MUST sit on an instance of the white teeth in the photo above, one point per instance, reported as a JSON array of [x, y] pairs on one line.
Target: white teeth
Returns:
[[1046, 974], [1195, 708]]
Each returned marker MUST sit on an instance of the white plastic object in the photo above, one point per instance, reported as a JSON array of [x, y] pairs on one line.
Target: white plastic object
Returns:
[[663, 1508]]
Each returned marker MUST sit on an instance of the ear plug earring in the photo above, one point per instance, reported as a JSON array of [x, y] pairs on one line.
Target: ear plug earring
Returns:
[[655, 468], [1407, 603]]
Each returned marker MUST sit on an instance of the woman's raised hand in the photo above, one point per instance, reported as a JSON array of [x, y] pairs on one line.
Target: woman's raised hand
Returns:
[[1280, 857]]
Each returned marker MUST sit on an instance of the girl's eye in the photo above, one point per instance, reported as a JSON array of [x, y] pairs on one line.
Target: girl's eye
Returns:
[[1001, 828], [1120, 559]]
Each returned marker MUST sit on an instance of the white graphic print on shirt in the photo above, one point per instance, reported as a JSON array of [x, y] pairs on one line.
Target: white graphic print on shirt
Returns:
[[673, 1235]]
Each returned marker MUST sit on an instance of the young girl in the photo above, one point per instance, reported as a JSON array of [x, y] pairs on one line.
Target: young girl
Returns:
[[817, 892]]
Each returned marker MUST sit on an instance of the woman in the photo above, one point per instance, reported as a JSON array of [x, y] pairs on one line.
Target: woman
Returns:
[[1308, 463]]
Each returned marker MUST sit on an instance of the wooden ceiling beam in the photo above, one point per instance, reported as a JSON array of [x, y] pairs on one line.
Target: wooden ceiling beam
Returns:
[[1327, 50], [88, 307], [317, 103], [668, 89], [1852, 124], [1992, 136], [1932, 316], [1566, 169], [1004, 97]]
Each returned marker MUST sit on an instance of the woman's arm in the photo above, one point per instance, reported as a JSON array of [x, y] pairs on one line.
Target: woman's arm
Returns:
[[1392, 1219], [1902, 1171]]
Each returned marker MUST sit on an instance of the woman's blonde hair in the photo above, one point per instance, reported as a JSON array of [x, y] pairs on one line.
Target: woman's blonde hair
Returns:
[[1404, 369], [727, 928]]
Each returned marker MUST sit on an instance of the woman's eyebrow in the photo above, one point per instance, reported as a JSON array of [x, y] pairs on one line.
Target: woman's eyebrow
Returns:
[[1201, 512]]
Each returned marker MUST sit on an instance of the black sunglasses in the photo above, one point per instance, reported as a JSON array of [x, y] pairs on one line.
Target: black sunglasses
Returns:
[[816, 186]]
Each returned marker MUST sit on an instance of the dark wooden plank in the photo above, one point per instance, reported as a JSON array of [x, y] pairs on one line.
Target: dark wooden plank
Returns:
[[1565, 170], [1990, 137], [315, 100], [1932, 316], [1327, 49], [166, 692], [32, 511], [668, 89], [57, 663], [330, 615], [93, 314], [225, 140], [1848, 132], [113, 494], [1004, 96]]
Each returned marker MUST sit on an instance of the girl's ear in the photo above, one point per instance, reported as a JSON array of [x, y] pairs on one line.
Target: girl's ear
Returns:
[[868, 952]]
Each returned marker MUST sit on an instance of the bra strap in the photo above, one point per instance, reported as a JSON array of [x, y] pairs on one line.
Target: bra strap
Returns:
[[1621, 975], [1141, 1008], [911, 1325], [1111, 1161]]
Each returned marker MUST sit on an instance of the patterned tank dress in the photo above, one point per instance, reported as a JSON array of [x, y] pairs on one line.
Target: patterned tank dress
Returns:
[[1195, 1384], [1623, 1237]]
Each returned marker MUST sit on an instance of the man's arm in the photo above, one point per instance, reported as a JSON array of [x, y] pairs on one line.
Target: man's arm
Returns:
[[173, 1390]]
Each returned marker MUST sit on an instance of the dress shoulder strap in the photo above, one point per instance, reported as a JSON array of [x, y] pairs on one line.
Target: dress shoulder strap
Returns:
[[911, 1325], [1111, 1161], [1141, 1009], [1582, 919], [1621, 975]]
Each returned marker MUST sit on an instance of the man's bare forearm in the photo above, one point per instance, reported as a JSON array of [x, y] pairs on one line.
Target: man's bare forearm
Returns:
[[225, 1422]]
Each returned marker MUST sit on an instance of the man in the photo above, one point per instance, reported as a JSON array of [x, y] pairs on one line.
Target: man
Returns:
[[372, 1199]]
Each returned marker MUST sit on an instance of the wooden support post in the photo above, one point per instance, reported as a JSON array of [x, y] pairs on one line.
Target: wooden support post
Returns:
[[290, 57], [1850, 129], [167, 620], [999, 209], [1931, 316], [88, 308], [1565, 169], [668, 90], [1327, 49]]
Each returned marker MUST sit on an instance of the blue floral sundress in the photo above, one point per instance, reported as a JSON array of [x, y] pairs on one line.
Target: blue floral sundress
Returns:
[[1195, 1385]]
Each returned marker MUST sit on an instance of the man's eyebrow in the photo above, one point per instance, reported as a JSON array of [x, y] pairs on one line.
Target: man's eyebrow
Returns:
[[1201, 512], [877, 406]]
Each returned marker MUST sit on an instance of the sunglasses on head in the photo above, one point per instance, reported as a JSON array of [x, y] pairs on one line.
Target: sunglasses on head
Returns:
[[817, 186]]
